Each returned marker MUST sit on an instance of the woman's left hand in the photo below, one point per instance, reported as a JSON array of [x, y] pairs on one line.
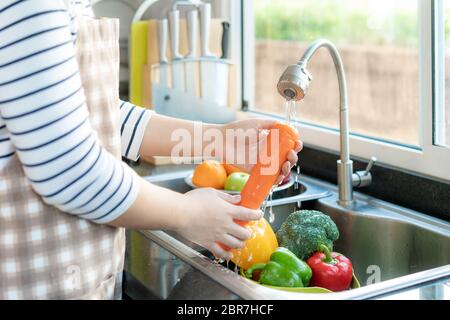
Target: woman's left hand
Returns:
[[253, 132]]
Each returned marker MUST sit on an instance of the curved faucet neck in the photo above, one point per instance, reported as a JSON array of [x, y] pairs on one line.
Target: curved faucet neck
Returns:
[[323, 43], [345, 165]]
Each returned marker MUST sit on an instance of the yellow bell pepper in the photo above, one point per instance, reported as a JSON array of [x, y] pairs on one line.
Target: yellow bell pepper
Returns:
[[259, 247]]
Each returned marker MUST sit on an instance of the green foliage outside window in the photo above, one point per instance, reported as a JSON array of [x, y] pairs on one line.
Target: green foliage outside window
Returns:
[[337, 21]]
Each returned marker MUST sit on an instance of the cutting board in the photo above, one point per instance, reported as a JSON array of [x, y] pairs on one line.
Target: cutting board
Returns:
[[138, 58]]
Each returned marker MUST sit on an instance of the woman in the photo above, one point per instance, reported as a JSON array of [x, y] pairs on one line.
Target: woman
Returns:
[[65, 196]]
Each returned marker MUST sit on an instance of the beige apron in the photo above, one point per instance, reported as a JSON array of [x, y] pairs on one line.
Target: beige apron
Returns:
[[49, 254]]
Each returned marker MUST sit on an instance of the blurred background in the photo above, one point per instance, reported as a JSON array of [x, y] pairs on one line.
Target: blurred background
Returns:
[[379, 44]]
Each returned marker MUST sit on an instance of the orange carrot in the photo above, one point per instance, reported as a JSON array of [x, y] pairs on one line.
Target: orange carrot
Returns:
[[260, 183], [262, 176]]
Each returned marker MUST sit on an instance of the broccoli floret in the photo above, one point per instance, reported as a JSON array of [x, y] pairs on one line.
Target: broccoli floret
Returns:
[[304, 230]]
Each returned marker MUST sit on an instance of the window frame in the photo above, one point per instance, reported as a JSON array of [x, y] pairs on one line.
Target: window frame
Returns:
[[427, 158], [439, 80]]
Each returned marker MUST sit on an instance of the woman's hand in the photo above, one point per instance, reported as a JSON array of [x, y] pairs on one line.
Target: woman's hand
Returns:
[[210, 216], [256, 130]]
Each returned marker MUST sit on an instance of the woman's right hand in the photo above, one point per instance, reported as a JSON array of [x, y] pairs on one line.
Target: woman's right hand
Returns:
[[210, 216]]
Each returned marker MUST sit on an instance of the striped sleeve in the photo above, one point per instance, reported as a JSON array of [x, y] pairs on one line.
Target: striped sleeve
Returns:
[[134, 121], [43, 110]]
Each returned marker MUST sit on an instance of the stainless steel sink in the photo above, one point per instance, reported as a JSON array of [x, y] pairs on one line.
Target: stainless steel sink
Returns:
[[391, 248], [392, 244]]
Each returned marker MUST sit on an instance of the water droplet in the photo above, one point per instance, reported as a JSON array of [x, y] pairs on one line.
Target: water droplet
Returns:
[[271, 213], [264, 206]]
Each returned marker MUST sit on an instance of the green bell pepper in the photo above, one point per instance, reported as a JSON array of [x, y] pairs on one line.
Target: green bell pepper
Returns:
[[283, 270]]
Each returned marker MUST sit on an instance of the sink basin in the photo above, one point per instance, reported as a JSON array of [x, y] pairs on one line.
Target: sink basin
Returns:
[[391, 248], [384, 244]]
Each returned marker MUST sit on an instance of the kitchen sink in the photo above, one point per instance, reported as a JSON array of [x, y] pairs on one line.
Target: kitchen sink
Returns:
[[391, 248]]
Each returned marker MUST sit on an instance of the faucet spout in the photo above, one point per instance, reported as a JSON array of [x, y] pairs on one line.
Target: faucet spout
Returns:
[[293, 85]]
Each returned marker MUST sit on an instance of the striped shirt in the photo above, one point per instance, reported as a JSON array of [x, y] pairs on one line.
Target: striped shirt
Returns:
[[45, 120]]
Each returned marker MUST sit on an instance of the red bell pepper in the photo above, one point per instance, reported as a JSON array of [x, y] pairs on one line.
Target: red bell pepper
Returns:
[[332, 271]]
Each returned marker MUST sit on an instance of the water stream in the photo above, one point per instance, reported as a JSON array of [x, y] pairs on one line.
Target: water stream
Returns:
[[291, 114], [290, 108], [271, 214]]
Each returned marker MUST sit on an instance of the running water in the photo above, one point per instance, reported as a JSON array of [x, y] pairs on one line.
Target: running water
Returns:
[[271, 213], [291, 120], [296, 182], [291, 112], [266, 205]]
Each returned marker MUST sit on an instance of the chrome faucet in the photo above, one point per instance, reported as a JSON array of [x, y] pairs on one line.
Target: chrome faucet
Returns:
[[293, 85]]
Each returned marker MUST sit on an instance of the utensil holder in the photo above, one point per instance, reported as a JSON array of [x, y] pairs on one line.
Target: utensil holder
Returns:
[[179, 104]]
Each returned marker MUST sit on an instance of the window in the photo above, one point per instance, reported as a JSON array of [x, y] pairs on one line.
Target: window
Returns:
[[378, 42], [394, 53], [442, 114]]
